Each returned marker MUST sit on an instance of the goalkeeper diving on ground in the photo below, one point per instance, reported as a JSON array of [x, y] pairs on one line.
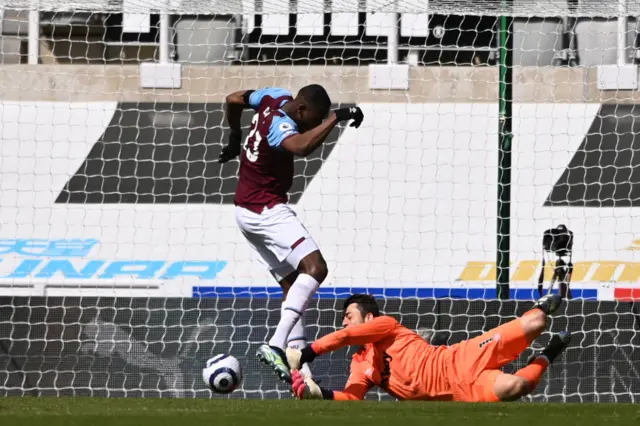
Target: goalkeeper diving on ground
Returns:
[[402, 363]]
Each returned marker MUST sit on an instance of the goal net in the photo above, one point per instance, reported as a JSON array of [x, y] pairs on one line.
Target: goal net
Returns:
[[122, 269]]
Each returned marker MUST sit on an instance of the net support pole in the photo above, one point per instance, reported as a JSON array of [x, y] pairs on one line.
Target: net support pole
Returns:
[[392, 39], [33, 37], [164, 38], [505, 85], [622, 32]]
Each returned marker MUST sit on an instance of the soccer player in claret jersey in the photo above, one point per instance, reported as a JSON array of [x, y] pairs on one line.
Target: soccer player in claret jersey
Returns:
[[282, 127], [407, 367]]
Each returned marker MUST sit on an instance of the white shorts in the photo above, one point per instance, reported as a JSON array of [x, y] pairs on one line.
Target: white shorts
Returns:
[[278, 236]]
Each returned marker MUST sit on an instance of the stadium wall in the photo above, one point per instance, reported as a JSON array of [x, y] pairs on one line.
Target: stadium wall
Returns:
[[87, 83]]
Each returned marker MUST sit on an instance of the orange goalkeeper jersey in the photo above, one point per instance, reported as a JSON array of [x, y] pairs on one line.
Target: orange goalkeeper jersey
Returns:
[[392, 357]]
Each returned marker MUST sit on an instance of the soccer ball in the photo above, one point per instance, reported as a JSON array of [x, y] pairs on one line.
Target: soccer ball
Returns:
[[222, 373]]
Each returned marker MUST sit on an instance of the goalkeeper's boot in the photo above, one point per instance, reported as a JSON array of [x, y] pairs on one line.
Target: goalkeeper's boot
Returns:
[[549, 303], [276, 359], [556, 346]]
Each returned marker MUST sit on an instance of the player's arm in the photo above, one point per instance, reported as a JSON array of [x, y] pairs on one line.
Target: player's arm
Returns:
[[357, 335], [356, 388], [236, 102], [303, 144]]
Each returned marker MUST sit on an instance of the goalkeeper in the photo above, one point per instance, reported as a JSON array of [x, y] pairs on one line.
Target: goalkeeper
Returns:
[[408, 368]]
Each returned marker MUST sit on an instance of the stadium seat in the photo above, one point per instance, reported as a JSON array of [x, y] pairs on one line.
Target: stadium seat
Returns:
[[274, 23], [204, 39], [535, 41], [14, 27], [597, 40]]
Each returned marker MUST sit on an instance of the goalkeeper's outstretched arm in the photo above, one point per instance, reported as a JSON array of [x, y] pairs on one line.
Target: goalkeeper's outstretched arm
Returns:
[[369, 332], [356, 335], [306, 388], [358, 384]]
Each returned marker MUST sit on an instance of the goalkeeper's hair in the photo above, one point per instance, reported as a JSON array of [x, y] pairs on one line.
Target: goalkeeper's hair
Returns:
[[367, 304], [315, 96]]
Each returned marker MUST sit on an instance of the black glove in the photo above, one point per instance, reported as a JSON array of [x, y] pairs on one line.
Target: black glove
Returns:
[[307, 354], [232, 150], [353, 113]]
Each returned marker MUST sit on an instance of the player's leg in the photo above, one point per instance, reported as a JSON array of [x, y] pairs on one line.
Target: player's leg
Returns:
[[290, 329], [291, 243], [286, 276], [255, 228], [473, 359], [494, 385], [505, 343], [297, 338], [510, 387], [286, 282], [533, 324], [312, 270]]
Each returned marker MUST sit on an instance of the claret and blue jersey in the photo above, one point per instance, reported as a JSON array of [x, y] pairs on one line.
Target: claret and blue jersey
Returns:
[[266, 170], [281, 126]]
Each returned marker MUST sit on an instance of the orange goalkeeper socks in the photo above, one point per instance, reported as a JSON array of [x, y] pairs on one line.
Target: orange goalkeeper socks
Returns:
[[533, 372]]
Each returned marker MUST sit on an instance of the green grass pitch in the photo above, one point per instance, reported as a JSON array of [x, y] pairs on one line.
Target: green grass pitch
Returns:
[[30, 411]]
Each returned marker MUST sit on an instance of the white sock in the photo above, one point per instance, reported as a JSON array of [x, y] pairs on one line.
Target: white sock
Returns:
[[297, 340], [300, 293]]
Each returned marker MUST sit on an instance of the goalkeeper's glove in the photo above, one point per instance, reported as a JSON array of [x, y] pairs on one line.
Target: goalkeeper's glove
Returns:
[[305, 388], [232, 150], [353, 113], [297, 357], [293, 358]]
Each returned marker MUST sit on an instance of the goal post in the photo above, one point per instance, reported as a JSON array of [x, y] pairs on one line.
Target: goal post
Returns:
[[487, 123], [505, 111]]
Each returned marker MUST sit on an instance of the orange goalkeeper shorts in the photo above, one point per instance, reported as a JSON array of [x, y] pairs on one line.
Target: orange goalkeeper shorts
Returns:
[[474, 363]]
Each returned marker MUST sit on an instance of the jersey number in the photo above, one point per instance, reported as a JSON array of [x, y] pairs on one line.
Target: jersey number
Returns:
[[252, 149]]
